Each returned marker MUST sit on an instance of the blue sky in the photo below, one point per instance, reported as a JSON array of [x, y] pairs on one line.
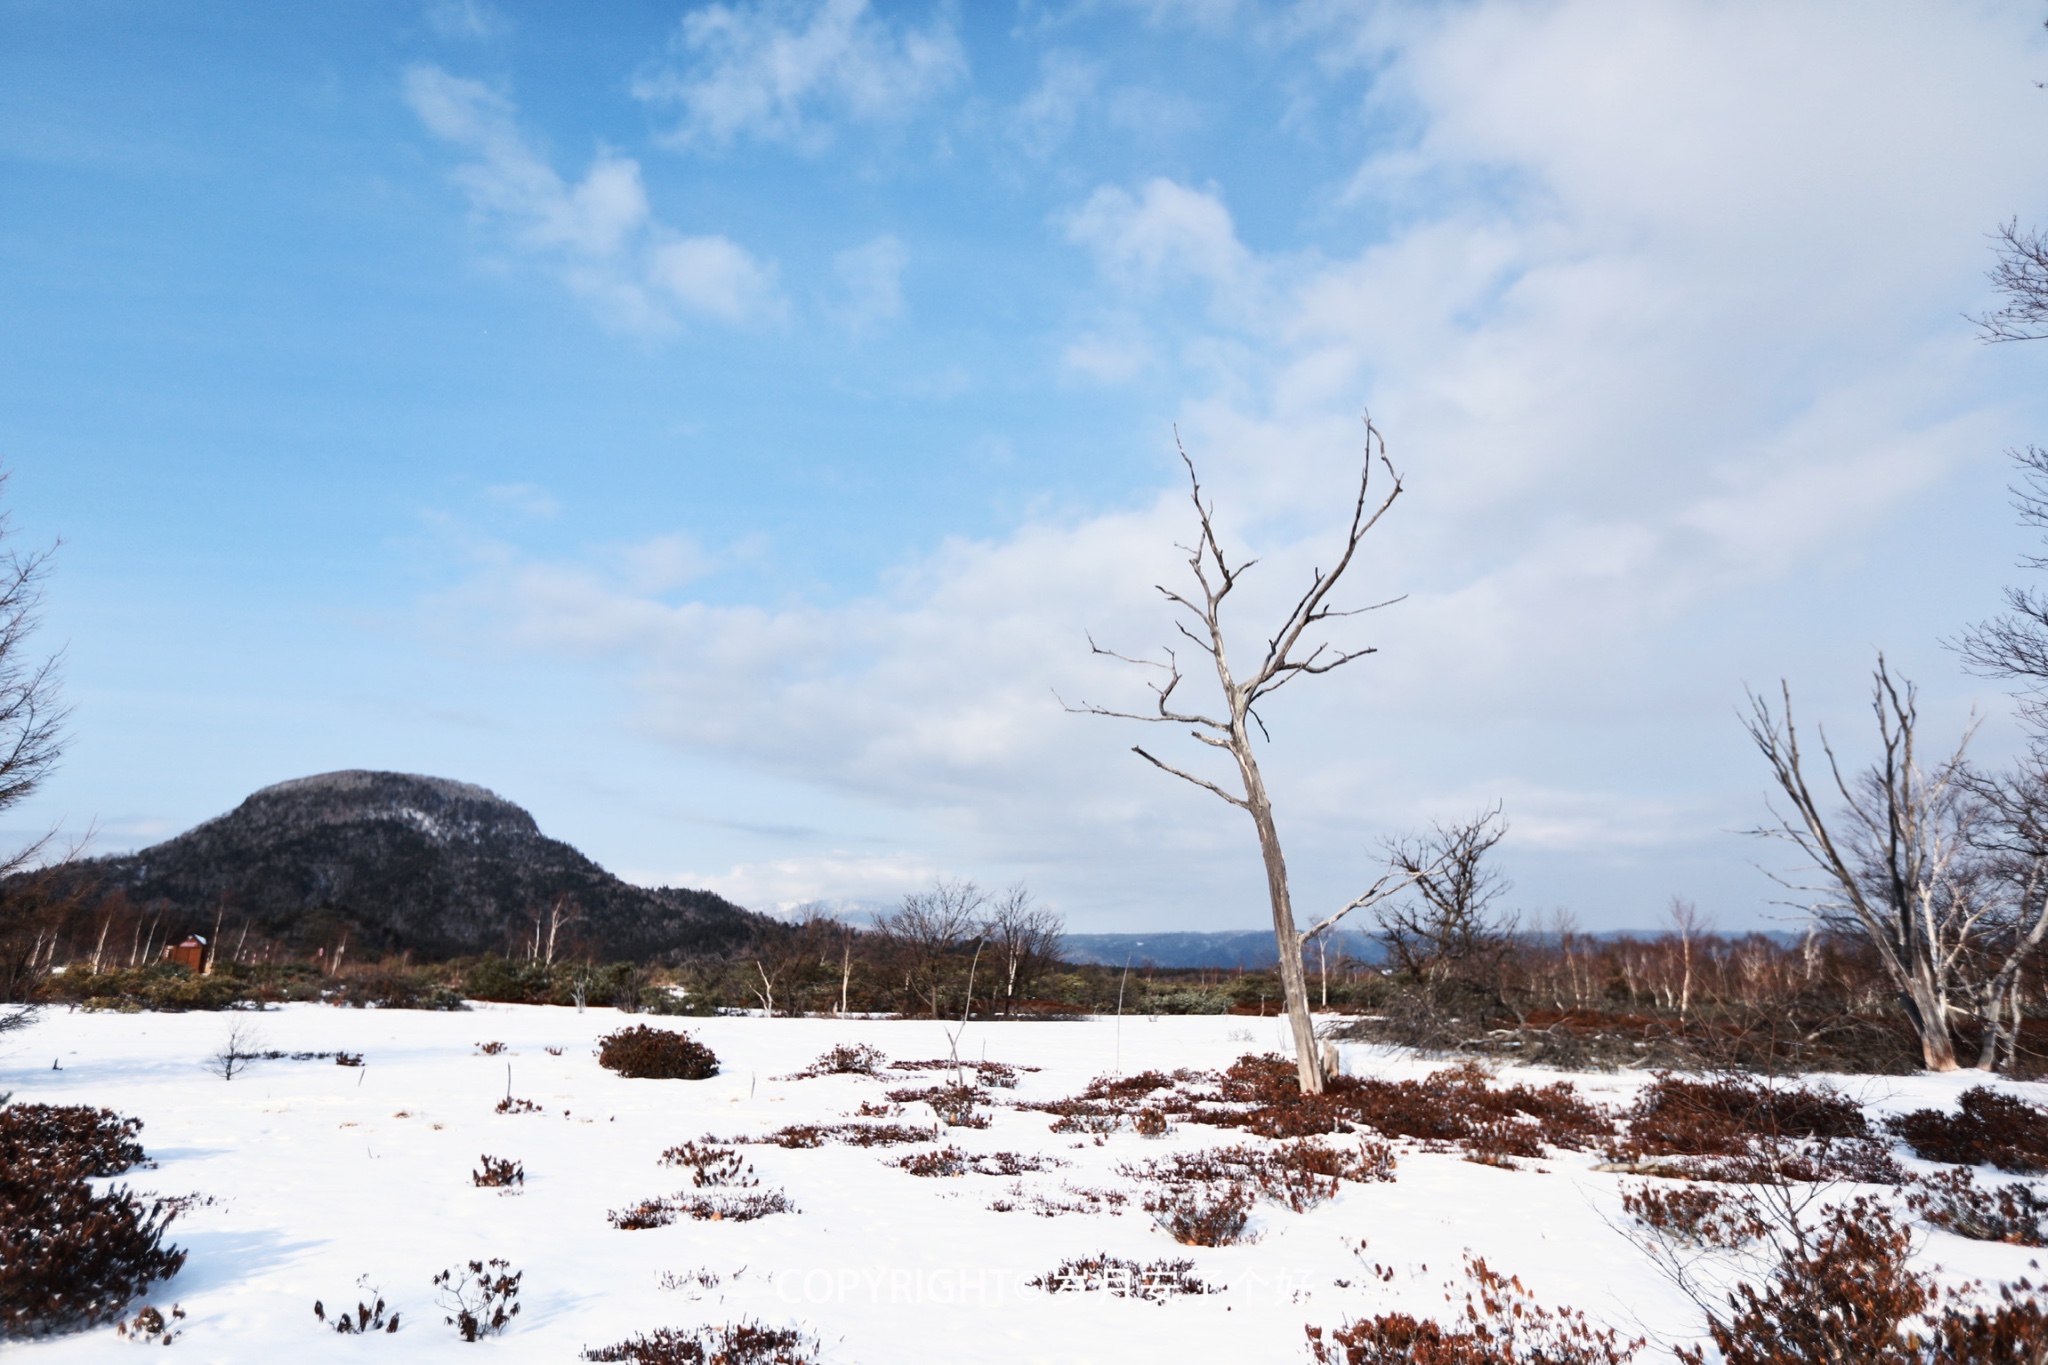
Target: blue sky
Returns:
[[716, 427]]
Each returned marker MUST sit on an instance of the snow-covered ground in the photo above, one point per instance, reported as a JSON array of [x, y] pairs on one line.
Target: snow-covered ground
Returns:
[[320, 1174]]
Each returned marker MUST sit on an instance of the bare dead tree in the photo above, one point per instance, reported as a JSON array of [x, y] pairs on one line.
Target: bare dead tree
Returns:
[[242, 1046], [1292, 651], [1687, 925], [1448, 922], [2021, 274], [930, 930], [2012, 833], [2014, 644], [32, 718], [1898, 873]]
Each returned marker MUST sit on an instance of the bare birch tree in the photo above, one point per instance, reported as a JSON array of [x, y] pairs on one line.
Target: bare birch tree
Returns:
[[1903, 865], [1023, 939], [1293, 650]]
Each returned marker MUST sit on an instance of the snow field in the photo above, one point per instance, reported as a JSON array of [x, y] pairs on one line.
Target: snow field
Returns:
[[320, 1174]]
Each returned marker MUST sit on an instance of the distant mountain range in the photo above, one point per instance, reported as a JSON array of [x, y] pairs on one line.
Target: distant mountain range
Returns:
[[399, 863], [1246, 948], [1251, 949]]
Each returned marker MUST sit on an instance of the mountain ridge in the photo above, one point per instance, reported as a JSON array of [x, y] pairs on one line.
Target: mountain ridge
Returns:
[[403, 862]]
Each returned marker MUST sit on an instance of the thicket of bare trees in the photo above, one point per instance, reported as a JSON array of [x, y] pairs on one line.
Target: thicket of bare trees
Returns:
[[1294, 649], [31, 742], [943, 951]]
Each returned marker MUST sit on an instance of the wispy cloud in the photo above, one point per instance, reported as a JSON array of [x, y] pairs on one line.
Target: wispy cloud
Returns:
[[789, 71], [597, 234], [474, 20], [1673, 338], [871, 283], [525, 498]]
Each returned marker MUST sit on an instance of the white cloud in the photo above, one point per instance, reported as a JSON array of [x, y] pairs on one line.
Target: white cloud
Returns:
[[714, 277], [525, 498], [786, 70], [1673, 328], [473, 20], [871, 279], [839, 880], [1106, 360], [1046, 117], [598, 233], [1162, 234]]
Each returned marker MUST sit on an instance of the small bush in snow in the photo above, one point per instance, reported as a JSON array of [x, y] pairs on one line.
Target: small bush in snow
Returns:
[[1122, 1279], [705, 1208], [1695, 1216], [712, 1166], [802, 1135], [740, 1343], [1502, 1325], [499, 1173], [1202, 1215], [648, 1053], [1846, 1293], [1988, 1129], [1748, 1131], [845, 1059], [1953, 1200], [367, 1317], [481, 1299], [150, 1327]]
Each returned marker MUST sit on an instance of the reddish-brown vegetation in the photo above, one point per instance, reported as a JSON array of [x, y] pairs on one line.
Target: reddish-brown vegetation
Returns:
[[1747, 1130], [67, 1255], [1987, 1129], [1955, 1202], [741, 1343], [1121, 1279], [656, 1054], [1502, 1325]]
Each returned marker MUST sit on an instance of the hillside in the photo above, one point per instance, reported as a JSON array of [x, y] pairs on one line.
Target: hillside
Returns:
[[404, 863]]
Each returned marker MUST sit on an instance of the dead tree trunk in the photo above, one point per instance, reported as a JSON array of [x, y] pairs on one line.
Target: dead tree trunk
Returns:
[[1288, 655], [1896, 875]]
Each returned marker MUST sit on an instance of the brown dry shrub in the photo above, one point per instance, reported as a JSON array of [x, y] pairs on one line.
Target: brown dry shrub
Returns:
[[69, 1256], [740, 1343], [1121, 1279], [1457, 1106], [803, 1135], [1300, 1174], [706, 1208], [946, 1161], [1742, 1130], [1696, 1214], [498, 1173], [1070, 1198], [1987, 1129], [951, 1161], [68, 1140], [1202, 1214], [712, 1165], [956, 1105], [1673, 1116], [1954, 1201], [844, 1059], [1502, 1325], [1851, 1296], [645, 1053]]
